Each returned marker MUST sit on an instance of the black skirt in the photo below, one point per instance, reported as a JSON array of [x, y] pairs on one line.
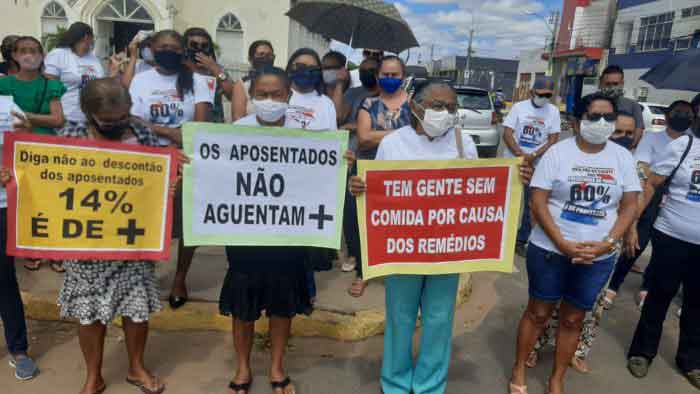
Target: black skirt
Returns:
[[267, 279]]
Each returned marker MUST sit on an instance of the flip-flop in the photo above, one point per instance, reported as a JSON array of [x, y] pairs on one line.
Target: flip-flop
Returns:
[[57, 267], [101, 389], [281, 385], [142, 386], [35, 265], [515, 389], [245, 387]]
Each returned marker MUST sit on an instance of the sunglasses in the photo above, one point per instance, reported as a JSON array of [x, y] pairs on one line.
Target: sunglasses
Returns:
[[609, 117], [371, 54], [546, 95], [196, 46]]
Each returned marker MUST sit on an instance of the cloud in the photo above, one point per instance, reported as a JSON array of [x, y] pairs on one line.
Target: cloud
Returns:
[[503, 28]]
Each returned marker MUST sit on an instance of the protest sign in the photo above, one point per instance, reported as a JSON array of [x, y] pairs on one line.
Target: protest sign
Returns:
[[263, 186], [87, 199], [438, 217]]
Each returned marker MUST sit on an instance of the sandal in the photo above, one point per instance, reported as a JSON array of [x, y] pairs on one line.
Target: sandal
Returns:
[[57, 267], [281, 385], [142, 386], [580, 365], [33, 265], [101, 390], [244, 387], [515, 389], [357, 289]]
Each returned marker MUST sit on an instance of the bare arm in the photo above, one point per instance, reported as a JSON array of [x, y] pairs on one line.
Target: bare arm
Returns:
[[336, 95], [654, 181], [239, 103], [366, 137], [538, 203], [54, 119], [172, 133], [511, 144], [551, 140], [202, 112], [627, 214]]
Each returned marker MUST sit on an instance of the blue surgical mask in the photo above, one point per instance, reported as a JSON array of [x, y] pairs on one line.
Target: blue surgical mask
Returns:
[[625, 141], [390, 84]]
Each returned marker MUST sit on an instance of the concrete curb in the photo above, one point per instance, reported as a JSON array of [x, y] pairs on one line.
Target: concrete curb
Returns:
[[204, 316]]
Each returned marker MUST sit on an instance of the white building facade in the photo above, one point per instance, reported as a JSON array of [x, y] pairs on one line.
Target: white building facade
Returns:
[[532, 64], [233, 24]]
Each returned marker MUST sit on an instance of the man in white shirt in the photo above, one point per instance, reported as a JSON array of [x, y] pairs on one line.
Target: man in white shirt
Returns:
[[530, 129]]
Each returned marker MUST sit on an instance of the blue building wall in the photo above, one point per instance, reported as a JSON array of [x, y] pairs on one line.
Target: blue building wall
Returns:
[[631, 3], [632, 59]]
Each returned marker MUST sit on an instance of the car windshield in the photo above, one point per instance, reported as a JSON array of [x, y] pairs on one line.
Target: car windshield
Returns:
[[656, 110], [474, 100]]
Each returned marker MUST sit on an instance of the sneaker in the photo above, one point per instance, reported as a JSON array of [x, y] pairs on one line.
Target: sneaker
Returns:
[[521, 249], [694, 378], [638, 367], [25, 368]]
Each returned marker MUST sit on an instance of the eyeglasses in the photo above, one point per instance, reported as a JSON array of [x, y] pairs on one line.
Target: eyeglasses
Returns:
[[609, 117]]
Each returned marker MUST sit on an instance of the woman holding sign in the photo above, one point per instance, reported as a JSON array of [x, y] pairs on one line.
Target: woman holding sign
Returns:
[[431, 136], [168, 96], [584, 198], [96, 292], [273, 279]]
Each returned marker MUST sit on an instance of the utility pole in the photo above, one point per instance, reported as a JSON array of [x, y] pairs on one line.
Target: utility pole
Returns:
[[469, 56], [554, 21]]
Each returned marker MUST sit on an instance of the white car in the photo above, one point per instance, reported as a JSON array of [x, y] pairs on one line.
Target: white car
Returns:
[[478, 118], [654, 117]]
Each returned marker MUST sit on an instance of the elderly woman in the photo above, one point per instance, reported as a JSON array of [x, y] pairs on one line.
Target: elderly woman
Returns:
[[584, 198], [430, 136]]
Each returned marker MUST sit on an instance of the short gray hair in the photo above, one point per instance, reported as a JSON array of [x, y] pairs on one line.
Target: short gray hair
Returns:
[[427, 89]]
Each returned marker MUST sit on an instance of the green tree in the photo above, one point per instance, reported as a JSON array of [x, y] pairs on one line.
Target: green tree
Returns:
[[50, 40]]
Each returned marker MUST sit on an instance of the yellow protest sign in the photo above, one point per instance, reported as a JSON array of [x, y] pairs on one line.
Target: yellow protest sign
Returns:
[[79, 199]]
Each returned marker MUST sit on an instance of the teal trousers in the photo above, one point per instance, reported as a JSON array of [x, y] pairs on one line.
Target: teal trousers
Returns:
[[435, 296]]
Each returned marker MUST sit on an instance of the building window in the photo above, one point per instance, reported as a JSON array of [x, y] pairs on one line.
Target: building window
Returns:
[[229, 37], [123, 11], [690, 11], [53, 17], [655, 32], [682, 44]]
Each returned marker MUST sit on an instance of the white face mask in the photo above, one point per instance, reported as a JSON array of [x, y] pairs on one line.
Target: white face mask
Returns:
[[540, 101], [597, 132], [330, 76], [437, 123], [270, 110], [147, 55]]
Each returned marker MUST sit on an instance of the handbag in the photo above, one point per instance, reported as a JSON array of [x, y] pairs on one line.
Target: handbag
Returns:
[[652, 210]]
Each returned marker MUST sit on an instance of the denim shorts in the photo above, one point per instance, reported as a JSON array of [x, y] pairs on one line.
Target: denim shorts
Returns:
[[554, 277]]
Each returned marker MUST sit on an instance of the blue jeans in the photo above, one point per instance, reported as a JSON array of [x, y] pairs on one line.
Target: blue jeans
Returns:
[[526, 222], [554, 277], [11, 308], [434, 296]]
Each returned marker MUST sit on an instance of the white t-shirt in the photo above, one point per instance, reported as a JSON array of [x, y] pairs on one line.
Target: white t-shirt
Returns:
[[142, 66], [531, 126], [680, 214], [586, 190], [311, 111], [406, 144], [155, 99], [651, 145], [7, 122], [74, 72]]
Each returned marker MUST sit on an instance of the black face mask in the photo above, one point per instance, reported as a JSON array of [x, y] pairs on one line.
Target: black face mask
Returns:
[[624, 141], [262, 62], [368, 78], [169, 60], [114, 131], [680, 121]]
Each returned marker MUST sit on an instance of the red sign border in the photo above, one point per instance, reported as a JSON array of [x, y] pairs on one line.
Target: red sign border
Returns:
[[11, 188]]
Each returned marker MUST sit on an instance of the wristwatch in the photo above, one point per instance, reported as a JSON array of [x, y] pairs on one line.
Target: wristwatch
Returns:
[[615, 244], [222, 77]]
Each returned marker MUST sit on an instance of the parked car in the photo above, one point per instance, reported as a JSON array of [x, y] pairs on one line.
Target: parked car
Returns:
[[654, 119], [478, 118]]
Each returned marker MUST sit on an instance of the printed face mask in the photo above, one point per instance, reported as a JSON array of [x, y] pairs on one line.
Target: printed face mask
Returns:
[[596, 132], [269, 110], [613, 92]]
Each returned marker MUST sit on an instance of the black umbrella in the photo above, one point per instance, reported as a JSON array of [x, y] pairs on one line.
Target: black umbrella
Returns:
[[359, 23], [681, 72]]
